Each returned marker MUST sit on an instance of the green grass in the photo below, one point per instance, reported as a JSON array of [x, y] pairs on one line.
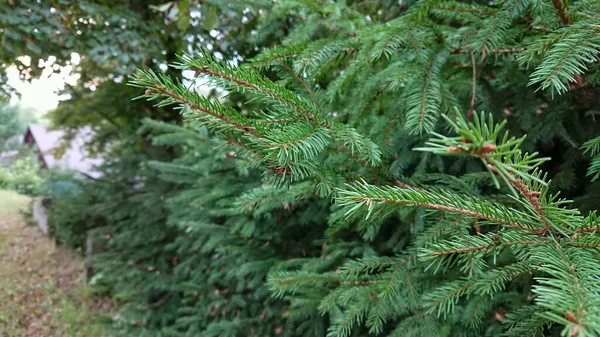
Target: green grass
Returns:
[[11, 202], [42, 292]]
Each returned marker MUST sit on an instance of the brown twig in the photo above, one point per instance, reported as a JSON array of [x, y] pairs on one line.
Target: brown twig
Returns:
[[473, 87], [532, 197], [588, 229], [559, 6]]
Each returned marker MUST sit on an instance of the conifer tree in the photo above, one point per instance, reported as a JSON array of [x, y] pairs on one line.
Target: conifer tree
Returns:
[[222, 255], [463, 237]]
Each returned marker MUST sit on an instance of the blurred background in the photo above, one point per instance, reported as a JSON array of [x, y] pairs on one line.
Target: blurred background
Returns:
[[67, 119]]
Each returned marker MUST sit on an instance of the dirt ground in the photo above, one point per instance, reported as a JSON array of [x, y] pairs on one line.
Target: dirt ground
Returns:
[[42, 290]]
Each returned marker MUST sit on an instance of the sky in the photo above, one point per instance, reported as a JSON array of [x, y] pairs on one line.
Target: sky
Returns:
[[42, 93]]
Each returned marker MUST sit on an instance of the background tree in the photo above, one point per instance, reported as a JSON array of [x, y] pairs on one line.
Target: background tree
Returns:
[[11, 126], [19, 167], [127, 203]]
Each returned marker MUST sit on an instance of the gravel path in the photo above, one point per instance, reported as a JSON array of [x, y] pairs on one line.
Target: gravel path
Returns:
[[42, 293]]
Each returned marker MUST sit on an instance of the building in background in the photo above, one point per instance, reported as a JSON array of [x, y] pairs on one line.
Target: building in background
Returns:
[[75, 157]]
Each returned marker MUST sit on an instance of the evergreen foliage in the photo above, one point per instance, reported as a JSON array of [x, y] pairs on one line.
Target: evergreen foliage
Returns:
[[297, 204], [11, 127], [491, 251], [222, 255]]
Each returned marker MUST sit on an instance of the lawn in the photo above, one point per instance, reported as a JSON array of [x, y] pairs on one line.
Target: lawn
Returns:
[[42, 291]]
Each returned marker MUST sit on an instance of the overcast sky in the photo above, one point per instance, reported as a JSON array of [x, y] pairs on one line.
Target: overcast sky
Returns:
[[41, 94]]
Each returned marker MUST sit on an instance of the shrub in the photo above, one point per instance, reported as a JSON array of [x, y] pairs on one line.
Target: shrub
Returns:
[[70, 215], [23, 176]]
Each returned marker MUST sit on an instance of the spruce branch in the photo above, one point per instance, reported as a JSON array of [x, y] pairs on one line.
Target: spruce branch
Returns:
[[478, 248], [525, 321], [503, 158], [422, 96], [471, 251], [539, 47], [443, 300], [482, 139], [316, 56], [245, 148], [572, 49], [282, 283], [242, 79], [297, 142], [442, 226], [276, 56], [494, 280], [592, 147], [183, 100], [375, 170], [342, 296], [590, 224], [370, 265], [570, 292], [475, 311], [354, 315], [386, 199], [493, 31], [360, 147], [423, 323], [248, 85], [161, 87], [285, 154]]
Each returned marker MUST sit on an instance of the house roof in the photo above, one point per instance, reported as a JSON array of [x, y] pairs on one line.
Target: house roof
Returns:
[[76, 157]]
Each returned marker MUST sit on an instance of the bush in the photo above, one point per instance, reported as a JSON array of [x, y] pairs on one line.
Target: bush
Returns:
[[70, 215], [23, 176]]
